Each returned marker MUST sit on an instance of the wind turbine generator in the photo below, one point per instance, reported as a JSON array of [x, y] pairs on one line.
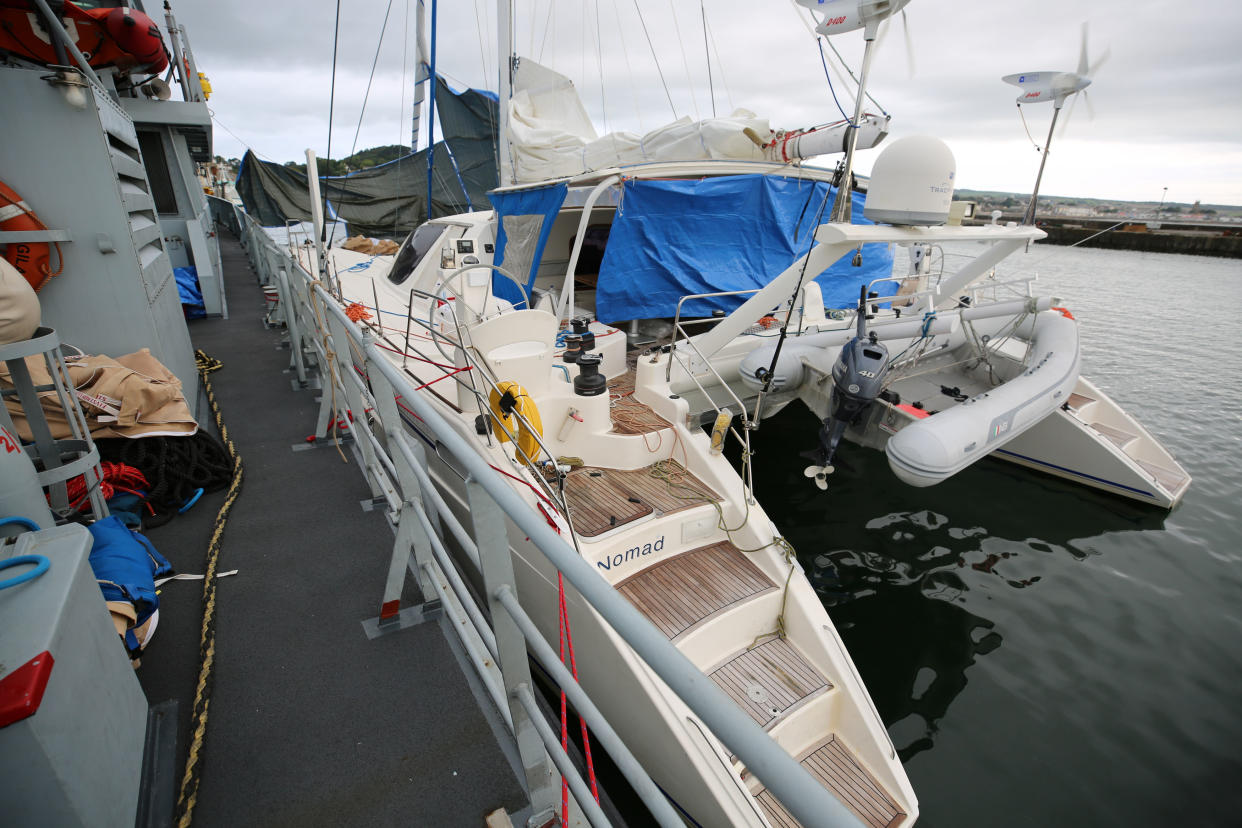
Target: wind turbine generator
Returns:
[[1057, 87], [840, 16]]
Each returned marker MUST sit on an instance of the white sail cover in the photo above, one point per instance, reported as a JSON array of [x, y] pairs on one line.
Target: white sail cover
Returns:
[[551, 136]]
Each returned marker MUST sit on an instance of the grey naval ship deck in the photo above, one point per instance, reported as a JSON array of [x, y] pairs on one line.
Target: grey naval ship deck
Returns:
[[310, 722]]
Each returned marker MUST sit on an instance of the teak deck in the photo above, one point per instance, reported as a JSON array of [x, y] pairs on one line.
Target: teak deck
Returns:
[[600, 499], [770, 680], [679, 593], [837, 770]]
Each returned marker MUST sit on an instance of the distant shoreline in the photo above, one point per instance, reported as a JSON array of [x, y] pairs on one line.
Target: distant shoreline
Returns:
[[1192, 238]]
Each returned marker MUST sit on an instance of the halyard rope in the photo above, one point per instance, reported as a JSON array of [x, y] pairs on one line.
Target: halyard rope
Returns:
[[207, 642]]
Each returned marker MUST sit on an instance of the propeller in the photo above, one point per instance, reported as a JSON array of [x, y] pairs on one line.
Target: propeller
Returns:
[[1037, 87], [905, 28]]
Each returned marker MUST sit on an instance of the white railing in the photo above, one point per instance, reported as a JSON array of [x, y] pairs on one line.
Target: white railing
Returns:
[[370, 384]]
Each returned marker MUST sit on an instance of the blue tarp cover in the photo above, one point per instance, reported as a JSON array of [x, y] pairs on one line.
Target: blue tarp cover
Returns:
[[190, 292], [675, 238], [524, 264]]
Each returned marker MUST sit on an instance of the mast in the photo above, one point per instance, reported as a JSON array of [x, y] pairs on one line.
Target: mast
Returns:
[[420, 68], [504, 32], [431, 116]]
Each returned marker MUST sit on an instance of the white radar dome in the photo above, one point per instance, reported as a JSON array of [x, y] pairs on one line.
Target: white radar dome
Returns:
[[911, 182]]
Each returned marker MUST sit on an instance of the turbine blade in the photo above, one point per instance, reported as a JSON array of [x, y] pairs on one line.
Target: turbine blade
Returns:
[[1098, 63], [905, 27], [1090, 109], [1069, 113], [1082, 53]]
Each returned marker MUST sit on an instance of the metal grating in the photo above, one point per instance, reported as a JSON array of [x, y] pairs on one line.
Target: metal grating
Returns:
[[679, 593]]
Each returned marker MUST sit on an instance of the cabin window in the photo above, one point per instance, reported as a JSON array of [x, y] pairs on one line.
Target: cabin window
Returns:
[[156, 163], [413, 250]]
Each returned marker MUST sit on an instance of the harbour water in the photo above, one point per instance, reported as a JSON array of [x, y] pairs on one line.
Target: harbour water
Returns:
[[1042, 654]]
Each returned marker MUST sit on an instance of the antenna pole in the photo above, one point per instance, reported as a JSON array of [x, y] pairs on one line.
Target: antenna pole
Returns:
[[841, 211], [1029, 218]]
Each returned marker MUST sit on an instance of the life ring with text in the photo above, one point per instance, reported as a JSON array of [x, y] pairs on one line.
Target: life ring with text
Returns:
[[506, 398], [32, 259]]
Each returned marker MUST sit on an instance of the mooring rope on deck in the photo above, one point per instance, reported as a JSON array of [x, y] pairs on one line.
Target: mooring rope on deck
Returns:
[[188, 794]]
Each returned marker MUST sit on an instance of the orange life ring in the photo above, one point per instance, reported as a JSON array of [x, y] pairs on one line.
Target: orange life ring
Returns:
[[32, 259]]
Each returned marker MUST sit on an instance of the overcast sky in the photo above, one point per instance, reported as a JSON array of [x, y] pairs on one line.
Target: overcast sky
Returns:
[[1167, 110]]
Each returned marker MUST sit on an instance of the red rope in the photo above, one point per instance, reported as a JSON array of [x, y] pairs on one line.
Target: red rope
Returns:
[[573, 667], [417, 358], [115, 477], [567, 642], [564, 708]]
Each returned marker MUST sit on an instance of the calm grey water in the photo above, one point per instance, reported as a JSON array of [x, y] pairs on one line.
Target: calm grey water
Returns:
[[1043, 654]]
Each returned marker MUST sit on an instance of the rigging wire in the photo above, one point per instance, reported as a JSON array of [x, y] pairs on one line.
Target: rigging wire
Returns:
[[655, 58], [853, 76], [629, 71], [374, 62], [711, 86], [479, 24], [336, 36], [240, 140], [822, 59], [599, 60], [396, 186], [547, 26], [724, 81], [685, 61]]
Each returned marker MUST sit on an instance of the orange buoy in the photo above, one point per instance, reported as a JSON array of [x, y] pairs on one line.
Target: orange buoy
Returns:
[[32, 259]]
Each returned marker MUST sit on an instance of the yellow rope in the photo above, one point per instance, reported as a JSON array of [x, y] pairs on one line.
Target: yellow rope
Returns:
[[188, 794], [332, 366]]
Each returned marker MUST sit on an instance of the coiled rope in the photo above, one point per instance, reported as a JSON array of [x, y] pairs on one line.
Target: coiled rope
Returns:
[[188, 794]]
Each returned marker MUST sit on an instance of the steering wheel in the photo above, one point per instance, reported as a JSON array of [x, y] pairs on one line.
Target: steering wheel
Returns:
[[456, 274]]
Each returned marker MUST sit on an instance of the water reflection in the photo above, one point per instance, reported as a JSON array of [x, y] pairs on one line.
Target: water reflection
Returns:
[[907, 573]]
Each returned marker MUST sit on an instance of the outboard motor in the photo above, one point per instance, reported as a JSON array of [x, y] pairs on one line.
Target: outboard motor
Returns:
[[857, 379]]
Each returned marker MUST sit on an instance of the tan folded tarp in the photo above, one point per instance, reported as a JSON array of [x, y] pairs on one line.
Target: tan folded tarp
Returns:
[[130, 396]]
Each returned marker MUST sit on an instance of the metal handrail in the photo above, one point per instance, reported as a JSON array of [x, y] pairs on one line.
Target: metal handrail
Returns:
[[677, 318], [804, 797]]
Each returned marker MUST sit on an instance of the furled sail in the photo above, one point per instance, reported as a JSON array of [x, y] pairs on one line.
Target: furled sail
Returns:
[[551, 135]]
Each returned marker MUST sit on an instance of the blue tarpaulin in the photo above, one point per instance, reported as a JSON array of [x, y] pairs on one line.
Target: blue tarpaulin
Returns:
[[525, 219], [675, 238], [190, 292]]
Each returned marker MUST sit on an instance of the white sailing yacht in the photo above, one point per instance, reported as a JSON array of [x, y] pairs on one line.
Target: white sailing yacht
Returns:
[[540, 330]]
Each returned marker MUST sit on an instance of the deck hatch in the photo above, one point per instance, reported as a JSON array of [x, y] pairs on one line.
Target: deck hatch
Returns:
[[769, 680], [601, 499]]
